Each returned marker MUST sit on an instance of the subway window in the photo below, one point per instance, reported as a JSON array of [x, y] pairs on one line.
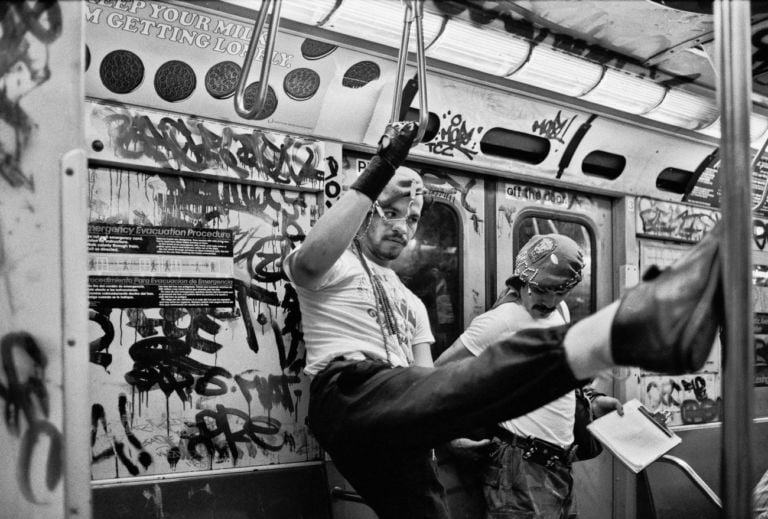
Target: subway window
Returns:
[[581, 300], [431, 267]]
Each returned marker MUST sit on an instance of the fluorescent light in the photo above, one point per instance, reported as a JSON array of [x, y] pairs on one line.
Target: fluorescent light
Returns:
[[625, 92], [713, 130], [758, 126], [310, 13], [482, 50], [304, 11], [685, 110], [558, 72], [380, 21]]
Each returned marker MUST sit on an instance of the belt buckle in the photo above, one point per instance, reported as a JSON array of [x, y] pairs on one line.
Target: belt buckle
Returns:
[[544, 453]]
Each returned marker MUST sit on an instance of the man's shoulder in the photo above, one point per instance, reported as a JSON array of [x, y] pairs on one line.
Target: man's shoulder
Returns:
[[511, 316], [510, 309]]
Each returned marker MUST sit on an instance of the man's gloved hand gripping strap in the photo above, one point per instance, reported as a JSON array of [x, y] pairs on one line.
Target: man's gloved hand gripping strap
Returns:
[[394, 146]]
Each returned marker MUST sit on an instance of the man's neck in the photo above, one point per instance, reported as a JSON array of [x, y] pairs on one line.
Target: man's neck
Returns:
[[365, 250]]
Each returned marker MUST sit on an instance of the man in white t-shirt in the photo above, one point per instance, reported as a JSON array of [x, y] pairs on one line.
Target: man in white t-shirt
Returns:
[[377, 406], [528, 470]]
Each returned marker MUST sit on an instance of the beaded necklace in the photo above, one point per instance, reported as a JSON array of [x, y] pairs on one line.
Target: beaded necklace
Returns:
[[385, 315]]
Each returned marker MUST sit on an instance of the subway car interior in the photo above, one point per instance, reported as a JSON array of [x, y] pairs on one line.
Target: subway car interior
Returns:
[[151, 150]]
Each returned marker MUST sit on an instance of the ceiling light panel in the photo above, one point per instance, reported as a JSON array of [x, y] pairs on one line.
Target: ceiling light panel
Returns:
[[487, 51], [302, 11], [558, 72], [758, 127], [380, 21], [626, 92], [685, 110]]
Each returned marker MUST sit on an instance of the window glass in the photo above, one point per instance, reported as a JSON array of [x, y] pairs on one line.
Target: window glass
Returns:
[[580, 300], [431, 267]]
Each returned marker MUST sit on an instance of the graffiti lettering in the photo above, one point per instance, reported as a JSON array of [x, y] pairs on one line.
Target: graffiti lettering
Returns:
[[26, 397], [701, 409], [272, 390], [453, 186], [454, 137], [97, 346], [24, 66], [332, 187], [117, 447], [191, 145], [673, 220], [553, 128], [211, 424], [292, 325]]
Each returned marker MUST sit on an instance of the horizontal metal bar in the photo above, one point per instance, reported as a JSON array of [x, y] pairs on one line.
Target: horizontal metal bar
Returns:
[[140, 480]]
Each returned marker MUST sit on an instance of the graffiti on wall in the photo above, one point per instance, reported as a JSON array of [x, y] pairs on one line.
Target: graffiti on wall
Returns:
[[553, 128], [27, 32], [199, 388], [27, 29], [27, 409], [675, 221], [682, 400], [158, 139], [455, 137]]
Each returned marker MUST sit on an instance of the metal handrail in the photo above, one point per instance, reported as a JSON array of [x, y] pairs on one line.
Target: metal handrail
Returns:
[[346, 495], [414, 10], [693, 476], [733, 52], [266, 62]]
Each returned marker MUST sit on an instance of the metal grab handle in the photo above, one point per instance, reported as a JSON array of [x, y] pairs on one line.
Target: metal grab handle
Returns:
[[693, 476], [346, 495], [414, 9], [266, 62]]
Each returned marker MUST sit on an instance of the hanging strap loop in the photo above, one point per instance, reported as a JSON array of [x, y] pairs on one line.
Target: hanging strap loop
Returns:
[[266, 61], [414, 10]]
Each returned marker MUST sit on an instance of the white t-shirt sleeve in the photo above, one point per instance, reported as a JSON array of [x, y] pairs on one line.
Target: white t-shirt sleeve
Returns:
[[326, 279], [486, 328], [422, 331]]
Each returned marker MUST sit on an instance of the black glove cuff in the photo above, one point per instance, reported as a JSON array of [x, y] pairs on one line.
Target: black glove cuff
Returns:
[[374, 178]]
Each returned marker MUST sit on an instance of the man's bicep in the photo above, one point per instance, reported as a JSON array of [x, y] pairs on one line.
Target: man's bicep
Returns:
[[311, 281]]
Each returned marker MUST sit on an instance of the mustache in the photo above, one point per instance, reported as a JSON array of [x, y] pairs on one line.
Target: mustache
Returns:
[[544, 309], [397, 237]]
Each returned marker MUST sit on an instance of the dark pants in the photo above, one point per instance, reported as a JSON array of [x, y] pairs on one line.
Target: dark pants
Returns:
[[518, 488], [380, 423]]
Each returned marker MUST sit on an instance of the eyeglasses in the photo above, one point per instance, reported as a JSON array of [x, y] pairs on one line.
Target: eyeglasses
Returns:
[[388, 217]]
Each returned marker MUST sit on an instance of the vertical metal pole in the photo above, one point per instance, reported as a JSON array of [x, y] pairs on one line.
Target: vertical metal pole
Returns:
[[733, 51]]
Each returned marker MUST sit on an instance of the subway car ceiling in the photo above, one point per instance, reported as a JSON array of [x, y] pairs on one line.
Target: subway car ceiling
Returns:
[[516, 89]]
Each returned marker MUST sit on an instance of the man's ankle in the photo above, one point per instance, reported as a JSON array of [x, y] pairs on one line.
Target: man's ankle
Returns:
[[588, 343]]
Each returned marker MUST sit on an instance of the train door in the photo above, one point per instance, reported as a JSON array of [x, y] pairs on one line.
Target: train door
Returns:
[[523, 210]]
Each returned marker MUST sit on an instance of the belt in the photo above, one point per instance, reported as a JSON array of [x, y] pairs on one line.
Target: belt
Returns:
[[537, 450]]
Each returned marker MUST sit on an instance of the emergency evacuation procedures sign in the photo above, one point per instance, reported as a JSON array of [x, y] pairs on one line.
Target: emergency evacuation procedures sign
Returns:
[[134, 266]]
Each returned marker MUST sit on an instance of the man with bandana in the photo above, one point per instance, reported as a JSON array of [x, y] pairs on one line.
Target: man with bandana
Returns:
[[527, 471], [378, 408]]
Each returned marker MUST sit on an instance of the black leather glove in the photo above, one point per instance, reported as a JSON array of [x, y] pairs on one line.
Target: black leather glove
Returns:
[[394, 146]]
